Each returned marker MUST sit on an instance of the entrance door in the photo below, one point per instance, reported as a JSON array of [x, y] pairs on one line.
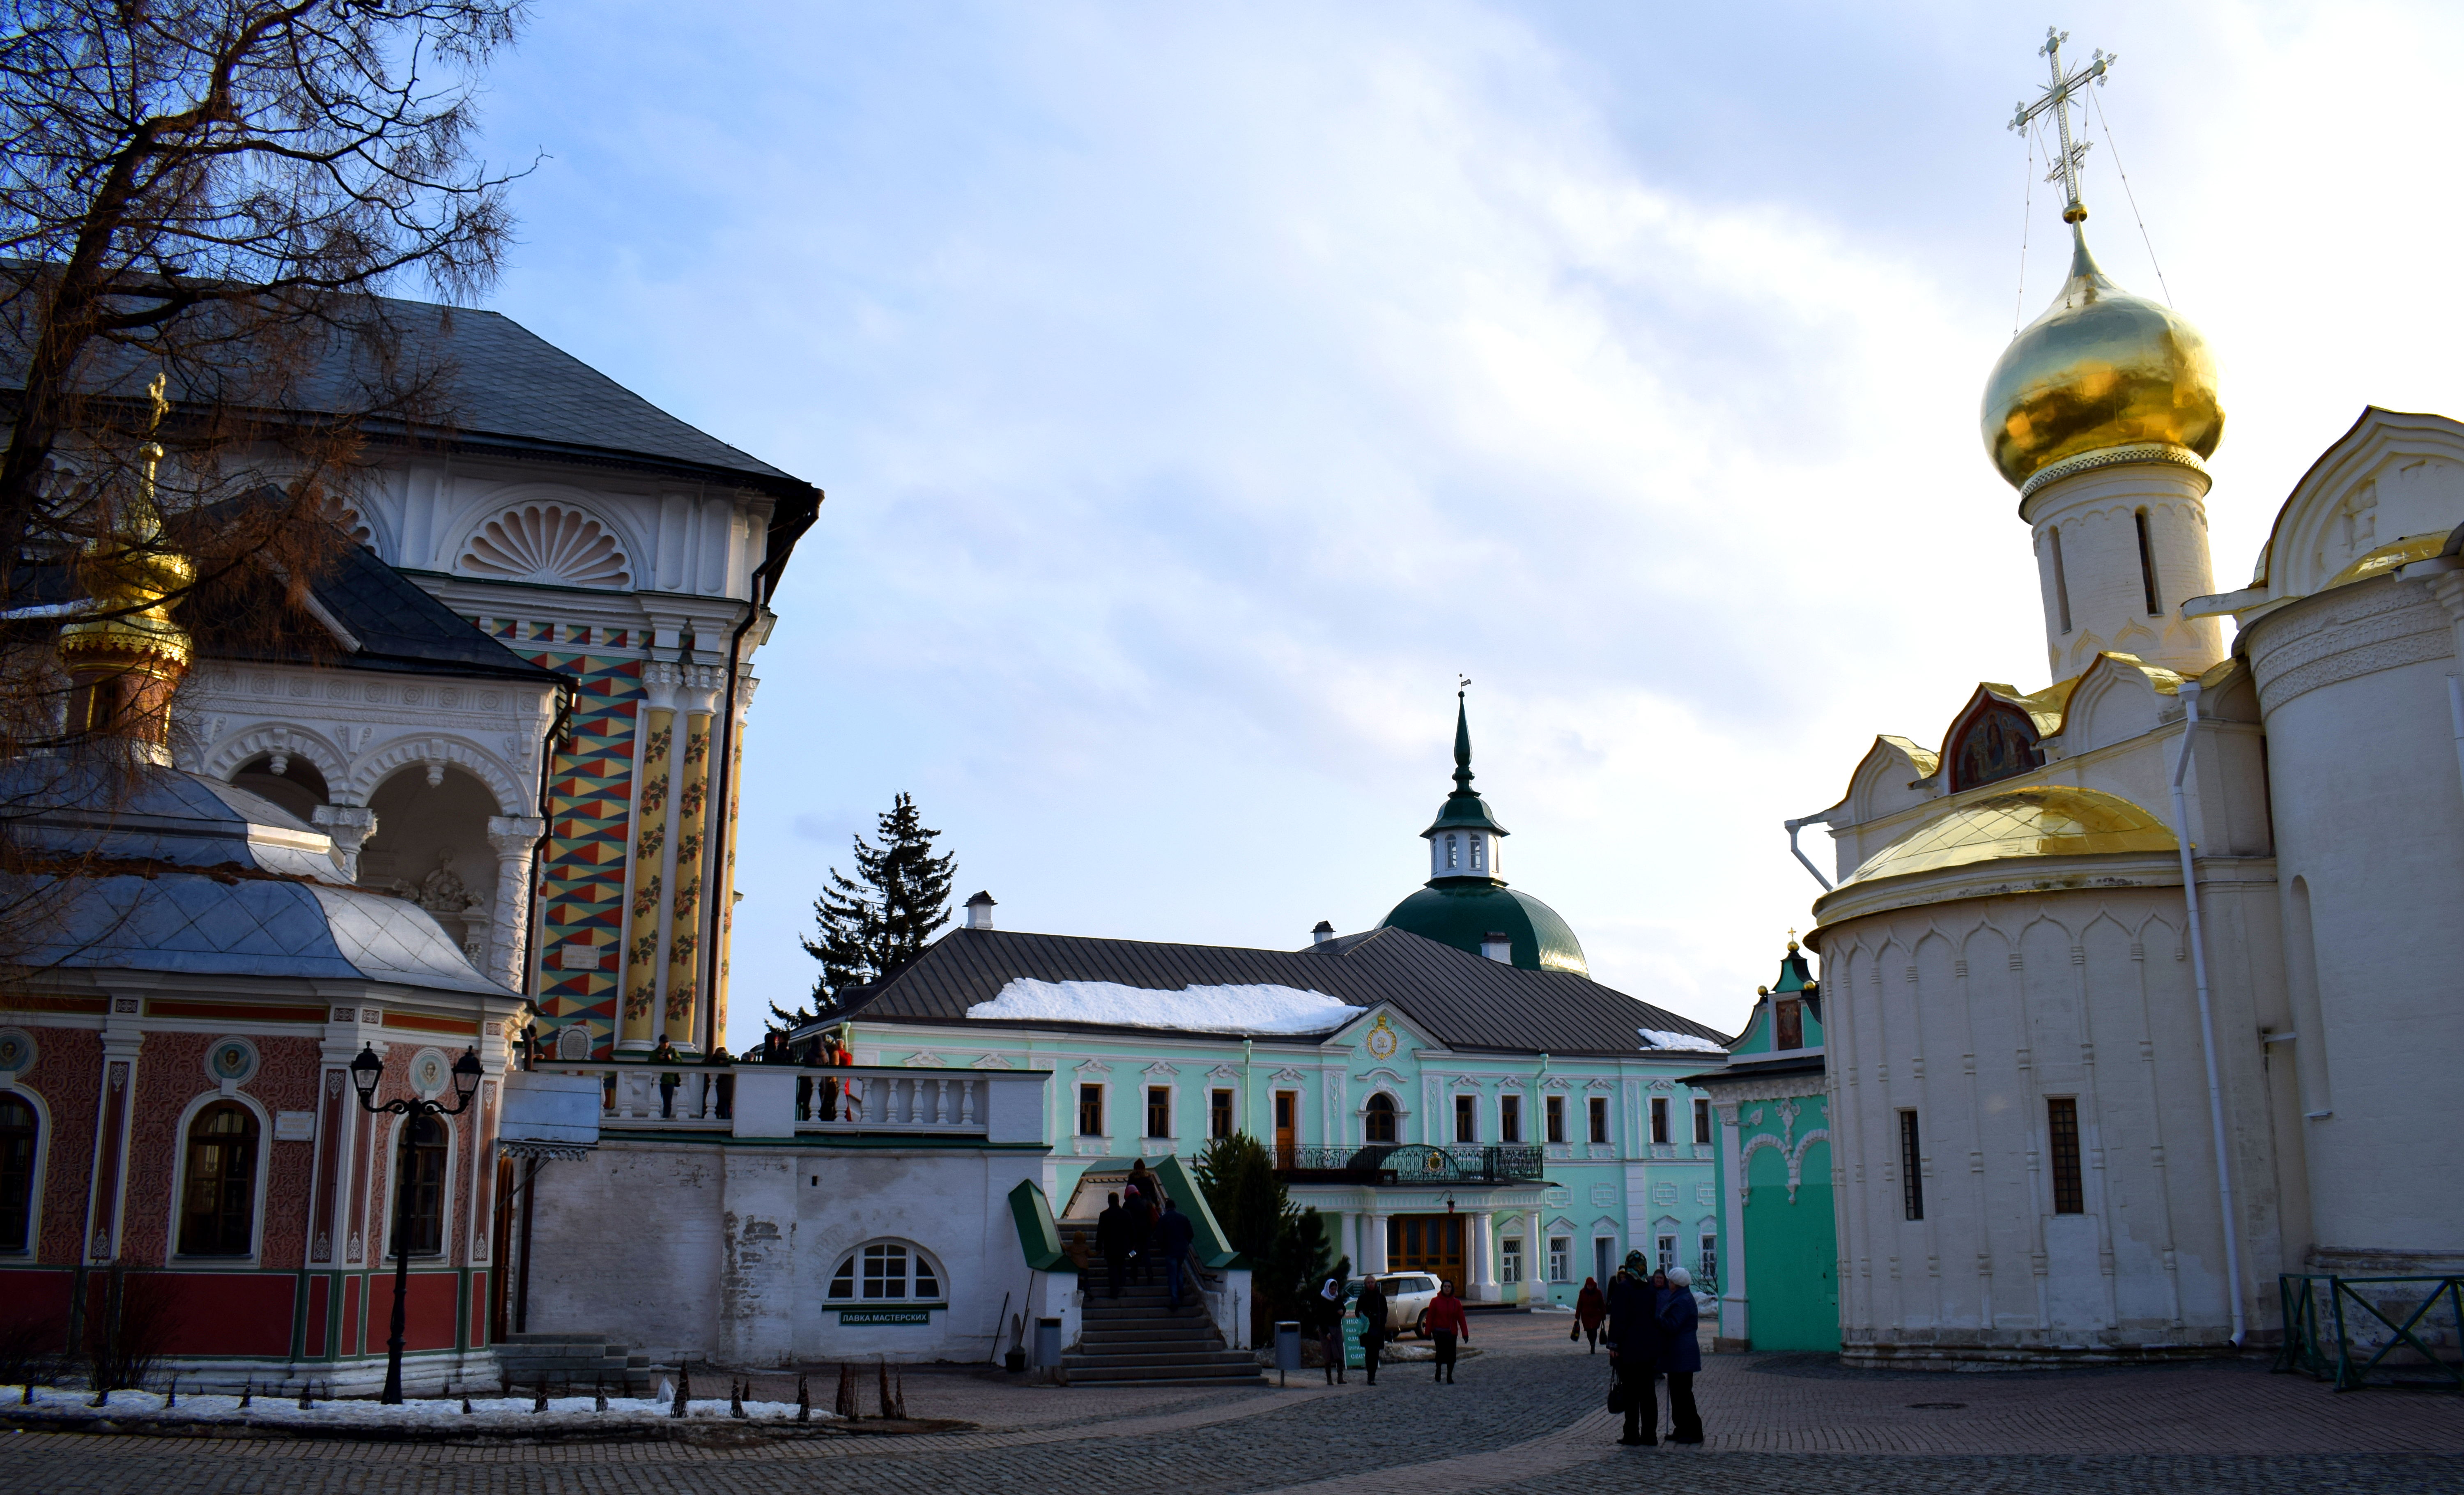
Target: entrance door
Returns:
[[1432, 1244], [1287, 1105], [1604, 1249]]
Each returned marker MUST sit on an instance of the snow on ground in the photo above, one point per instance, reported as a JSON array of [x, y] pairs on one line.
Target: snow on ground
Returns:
[[497, 1414], [1655, 1038], [1205, 1009]]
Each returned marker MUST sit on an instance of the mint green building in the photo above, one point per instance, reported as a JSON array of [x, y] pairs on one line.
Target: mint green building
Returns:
[[1450, 1088], [1778, 1218]]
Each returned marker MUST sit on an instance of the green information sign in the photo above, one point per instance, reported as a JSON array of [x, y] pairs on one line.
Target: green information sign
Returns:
[[853, 1316]]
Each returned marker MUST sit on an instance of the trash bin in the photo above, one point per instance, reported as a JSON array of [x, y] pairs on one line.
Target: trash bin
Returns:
[[1048, 1343], [1287, 1345]]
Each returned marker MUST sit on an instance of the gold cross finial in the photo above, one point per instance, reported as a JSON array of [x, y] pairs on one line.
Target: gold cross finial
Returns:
[[161, 406], [2057, 96]]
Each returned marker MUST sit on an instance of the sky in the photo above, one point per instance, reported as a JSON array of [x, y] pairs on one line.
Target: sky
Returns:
[[1199, 391]]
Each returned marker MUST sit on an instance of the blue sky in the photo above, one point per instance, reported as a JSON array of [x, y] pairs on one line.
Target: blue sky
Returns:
[[1197, 390]]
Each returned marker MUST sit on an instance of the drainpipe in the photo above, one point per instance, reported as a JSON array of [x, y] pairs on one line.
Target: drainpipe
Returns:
[[1795, 825], [2189, 694]]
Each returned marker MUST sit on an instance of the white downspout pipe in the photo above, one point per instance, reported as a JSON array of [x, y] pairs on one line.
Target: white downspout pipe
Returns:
[[1824, 819], [2190, 696]]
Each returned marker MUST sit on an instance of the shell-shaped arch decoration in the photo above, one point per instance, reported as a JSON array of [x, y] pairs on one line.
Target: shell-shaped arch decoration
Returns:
[[550, 542]]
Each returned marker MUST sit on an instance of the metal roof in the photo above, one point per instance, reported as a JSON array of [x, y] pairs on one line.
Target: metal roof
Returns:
[[1462, 1001]]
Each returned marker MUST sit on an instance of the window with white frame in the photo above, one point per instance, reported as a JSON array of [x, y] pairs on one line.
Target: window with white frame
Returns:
[[1466, 1118], [886, 1271], [1510, 1260], [1667, 1252], [1710, 1273], [1561, 1259]]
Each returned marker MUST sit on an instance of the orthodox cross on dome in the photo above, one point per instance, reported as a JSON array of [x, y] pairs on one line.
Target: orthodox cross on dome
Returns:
[[2059, 97]]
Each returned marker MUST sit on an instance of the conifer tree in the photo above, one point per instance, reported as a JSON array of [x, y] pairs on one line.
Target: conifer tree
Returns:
[[870, 924]]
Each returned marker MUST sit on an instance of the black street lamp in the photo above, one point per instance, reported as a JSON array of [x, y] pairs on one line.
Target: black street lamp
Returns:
[[366, 1071]]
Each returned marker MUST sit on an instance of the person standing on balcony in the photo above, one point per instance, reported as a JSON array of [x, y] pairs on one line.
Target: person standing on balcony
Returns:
[[1173, 1235], [1634, 1347], [1448, 1322], [1680, 1356], [1371, 1306], [1112, 1240], [666, 1054], [1591, 1307]]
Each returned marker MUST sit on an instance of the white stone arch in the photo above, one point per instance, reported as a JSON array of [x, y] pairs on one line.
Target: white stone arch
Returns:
[[42, 1110], [2114, 702], [2390, 475], [436, 752], [1394, 1094], [1884, 779], [235, 750], [495, 506], [852, 1255], [180, 1182]]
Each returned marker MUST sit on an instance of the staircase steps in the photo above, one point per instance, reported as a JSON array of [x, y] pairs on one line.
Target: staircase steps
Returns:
[[1139, 1339]]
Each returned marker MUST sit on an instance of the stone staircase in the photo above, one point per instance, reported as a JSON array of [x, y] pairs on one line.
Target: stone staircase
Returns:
[[575, 1361], [1139, 1340]]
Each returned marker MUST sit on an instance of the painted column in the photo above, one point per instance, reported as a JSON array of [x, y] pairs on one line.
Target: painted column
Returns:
[[1735, 1322], [700, 700], [115, 1109], [1373, 1241], [514, 837], [641, 966], [1484, 1258], [728, 896], [1535, 1265]]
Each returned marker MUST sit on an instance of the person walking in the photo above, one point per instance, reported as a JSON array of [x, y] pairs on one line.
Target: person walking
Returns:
[[1326, 1313], [1173, 1233], [1591, 1306], [1447, 1322], [1141, 1229], [1634, 1344], [1112, 1240], [1371, 1306], [1680, 1356]]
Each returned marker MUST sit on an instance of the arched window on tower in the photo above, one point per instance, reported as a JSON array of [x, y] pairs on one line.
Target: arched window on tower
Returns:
[[218, 1198], [1452, 856], [430, 1143], [1379, 1119], [1479, 853], [20, 1136]]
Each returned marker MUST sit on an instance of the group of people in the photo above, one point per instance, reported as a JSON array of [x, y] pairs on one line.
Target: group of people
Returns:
[[773, 1050], [1448, 1324], [1141, 1224], [1651, 1320]]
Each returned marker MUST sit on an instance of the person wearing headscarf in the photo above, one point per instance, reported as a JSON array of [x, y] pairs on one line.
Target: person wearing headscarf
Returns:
[[1680, 1356], [1591, 1308], [1325, 1316]]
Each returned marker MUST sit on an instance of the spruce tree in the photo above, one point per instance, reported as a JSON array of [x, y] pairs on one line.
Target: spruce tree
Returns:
[[870, 924]]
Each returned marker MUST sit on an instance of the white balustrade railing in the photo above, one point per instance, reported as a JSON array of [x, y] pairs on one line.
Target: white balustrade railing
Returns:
[[841, 1099]]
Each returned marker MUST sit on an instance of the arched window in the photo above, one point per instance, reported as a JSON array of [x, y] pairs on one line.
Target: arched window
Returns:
[[1479, 853], [886, 1271], [218, 1201], [1381, 1117], [1453, 851], [20, 1132], [426, 1175]]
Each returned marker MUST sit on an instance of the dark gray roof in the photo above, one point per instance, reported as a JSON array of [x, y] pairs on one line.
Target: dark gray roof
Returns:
[[1462, 1001]]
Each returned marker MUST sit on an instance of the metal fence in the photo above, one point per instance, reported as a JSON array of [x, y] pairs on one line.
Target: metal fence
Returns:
[[2361, 1331]]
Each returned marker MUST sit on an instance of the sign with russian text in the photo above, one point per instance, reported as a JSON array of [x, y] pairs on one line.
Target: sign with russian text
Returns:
[[854, 1317]]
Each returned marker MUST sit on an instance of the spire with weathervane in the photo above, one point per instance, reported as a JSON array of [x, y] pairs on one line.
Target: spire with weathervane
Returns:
[[1462, 839]]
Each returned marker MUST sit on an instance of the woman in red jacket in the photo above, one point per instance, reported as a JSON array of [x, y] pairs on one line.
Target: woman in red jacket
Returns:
[[1591, 1307], [1447, 1322]]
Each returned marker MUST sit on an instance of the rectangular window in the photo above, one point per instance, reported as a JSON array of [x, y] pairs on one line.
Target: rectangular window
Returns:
[[2061, 584], [1510, 1260], [1599, 1120], [1911, 1168], [1667, 1252], [1219, 1114], [1561, 1259], [1709, 1278], [1659, 1120], [1788, 1022], [1556, 1113], [1701, 1121], [2062, 1118], [1159, 1111], [1090, 1111], [1466, 1118], [2146, 564], [1509, 1118]]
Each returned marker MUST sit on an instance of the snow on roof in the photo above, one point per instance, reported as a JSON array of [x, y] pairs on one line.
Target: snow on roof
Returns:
[[1205, 1009], [1656, 1038]]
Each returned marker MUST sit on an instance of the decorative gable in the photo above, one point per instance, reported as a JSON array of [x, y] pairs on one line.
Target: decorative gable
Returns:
[[556, 544]]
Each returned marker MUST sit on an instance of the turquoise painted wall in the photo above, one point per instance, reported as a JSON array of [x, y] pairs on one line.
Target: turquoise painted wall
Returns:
[[1791, 1249]]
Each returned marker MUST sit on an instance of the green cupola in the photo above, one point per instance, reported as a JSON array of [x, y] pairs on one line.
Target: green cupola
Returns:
[[1465, 902]]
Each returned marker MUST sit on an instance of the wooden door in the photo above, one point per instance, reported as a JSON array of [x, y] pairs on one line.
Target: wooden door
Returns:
[[1432, 1244], [1288, 1105]]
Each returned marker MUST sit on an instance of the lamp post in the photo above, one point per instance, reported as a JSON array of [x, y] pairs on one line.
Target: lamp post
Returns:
[[366, 1071]]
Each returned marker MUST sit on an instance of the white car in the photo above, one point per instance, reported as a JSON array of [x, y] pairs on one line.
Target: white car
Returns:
[[1407, 1300]]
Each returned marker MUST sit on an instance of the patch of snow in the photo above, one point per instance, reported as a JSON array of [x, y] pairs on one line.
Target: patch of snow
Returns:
[[1205, 1009], [1656, 1038], [275, 1409]]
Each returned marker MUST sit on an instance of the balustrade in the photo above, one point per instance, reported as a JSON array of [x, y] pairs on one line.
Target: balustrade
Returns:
[[828, 1098]]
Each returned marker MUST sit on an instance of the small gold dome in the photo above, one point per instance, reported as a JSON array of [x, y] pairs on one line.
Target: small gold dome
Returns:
[[2100, 369]]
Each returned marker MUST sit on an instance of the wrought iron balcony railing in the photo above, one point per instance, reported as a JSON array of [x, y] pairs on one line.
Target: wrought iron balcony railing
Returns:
[[1410, 1163]]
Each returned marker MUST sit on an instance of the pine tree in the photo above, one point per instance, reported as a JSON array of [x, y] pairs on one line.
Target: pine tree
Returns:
[[884, 917]]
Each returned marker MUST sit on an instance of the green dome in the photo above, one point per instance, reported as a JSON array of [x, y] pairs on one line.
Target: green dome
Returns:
[[1459, 912]]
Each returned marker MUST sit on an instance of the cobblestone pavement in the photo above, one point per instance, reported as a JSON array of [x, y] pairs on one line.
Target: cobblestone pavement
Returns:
[[1526, 1415]]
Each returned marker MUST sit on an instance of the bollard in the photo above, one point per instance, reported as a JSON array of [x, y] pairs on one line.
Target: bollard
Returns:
[[1288, 1350]]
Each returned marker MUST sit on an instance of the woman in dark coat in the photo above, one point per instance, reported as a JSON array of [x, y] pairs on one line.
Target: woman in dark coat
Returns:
[[1325, 1314], [1680, 1356], [1634, 1345], [1591, 1308], [1371, 1306]]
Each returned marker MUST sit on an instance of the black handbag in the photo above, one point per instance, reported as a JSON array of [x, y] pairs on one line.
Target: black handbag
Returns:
[[1617, 1391]]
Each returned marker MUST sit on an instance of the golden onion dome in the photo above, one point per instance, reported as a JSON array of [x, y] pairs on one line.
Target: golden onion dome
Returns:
[[2100, 369]]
